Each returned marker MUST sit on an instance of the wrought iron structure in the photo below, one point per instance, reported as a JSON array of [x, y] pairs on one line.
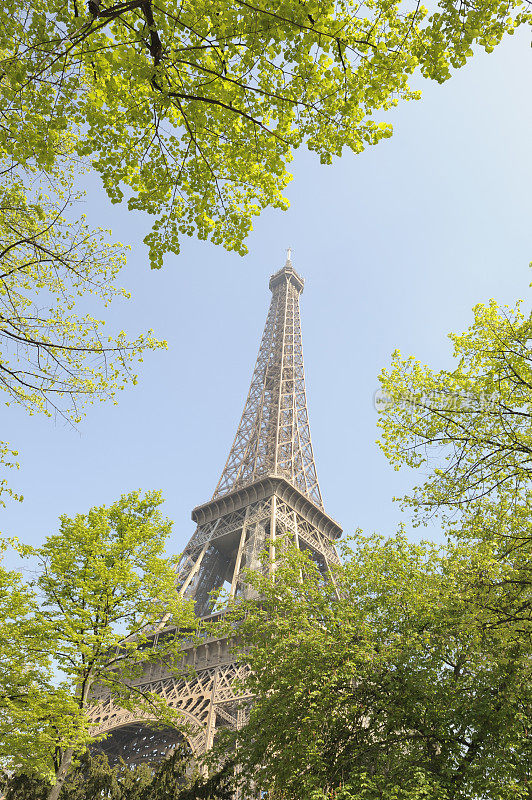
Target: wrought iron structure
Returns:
[[273, 437], [268, 491]]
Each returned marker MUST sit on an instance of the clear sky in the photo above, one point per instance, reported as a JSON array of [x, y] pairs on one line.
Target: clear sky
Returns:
[[396, 245]]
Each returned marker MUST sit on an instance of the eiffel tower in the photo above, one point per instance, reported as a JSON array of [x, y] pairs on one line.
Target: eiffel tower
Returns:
[[268, 491]]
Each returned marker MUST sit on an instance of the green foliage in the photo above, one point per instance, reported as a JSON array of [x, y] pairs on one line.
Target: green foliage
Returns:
[[22, 786], [54, 360], [470, 429], [102, 585], [7, 457], [366, 787], [192, 110], [30, 705], [396, 681], [94, 778], [47, 353], [470, 426], [217, 786]]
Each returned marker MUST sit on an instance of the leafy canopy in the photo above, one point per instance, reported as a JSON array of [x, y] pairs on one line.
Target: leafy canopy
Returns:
[[470, 426], [192, 110], [102, 587], [30, 703], [469, 429], [54, 359], [94, 777], [395, 683]]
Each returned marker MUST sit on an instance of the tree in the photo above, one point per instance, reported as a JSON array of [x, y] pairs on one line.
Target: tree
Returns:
[[470, 426], [34, 714], [49, 355], [192, 110], [103, 585], [396, 683], [94, 777], [52, 359]]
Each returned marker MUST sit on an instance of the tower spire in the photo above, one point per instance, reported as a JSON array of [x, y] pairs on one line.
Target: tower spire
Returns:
[[273, 436]]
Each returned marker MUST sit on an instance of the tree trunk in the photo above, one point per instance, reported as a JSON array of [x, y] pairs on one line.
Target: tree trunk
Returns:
[[68, 753], [62, 772]]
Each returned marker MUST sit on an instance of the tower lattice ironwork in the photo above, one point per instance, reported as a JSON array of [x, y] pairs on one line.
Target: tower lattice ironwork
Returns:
[[268, 492], [273, 437]]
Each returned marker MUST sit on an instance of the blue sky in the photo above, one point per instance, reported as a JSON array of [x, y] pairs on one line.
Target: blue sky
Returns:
[[396, 245]]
